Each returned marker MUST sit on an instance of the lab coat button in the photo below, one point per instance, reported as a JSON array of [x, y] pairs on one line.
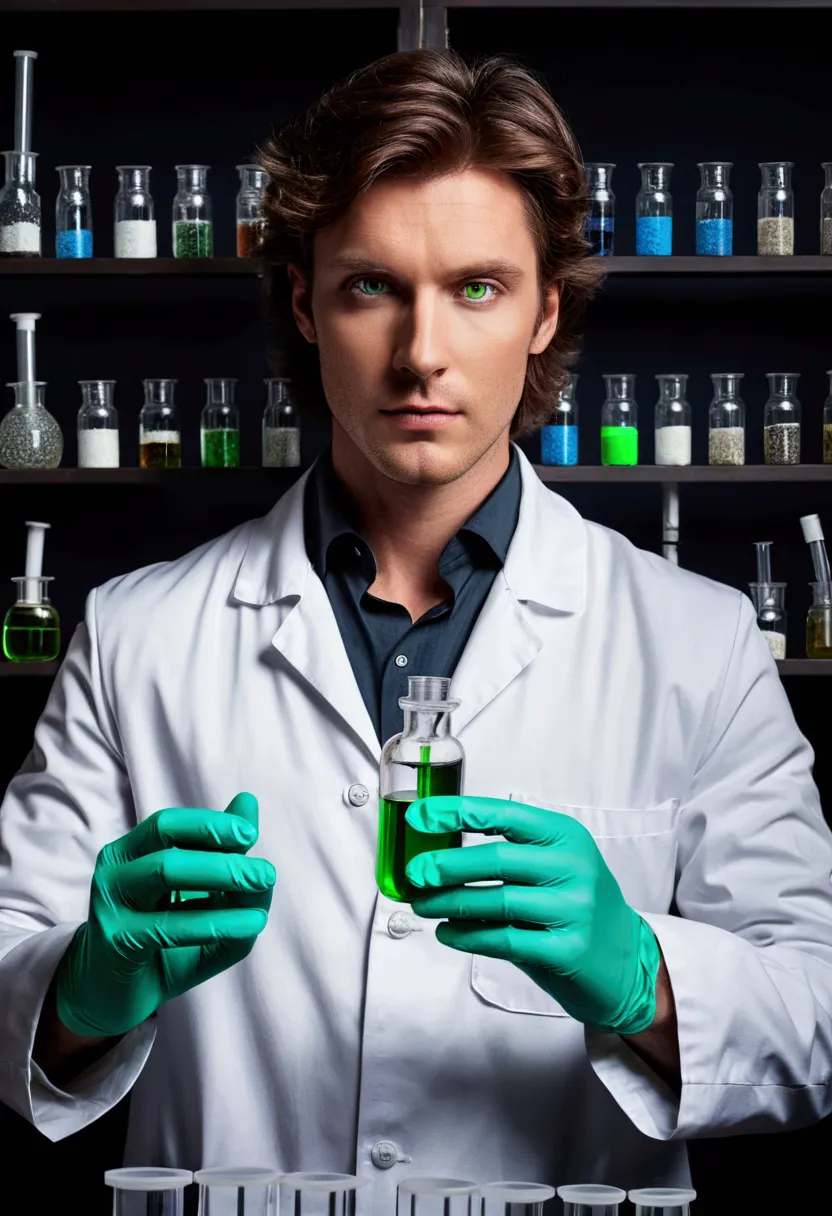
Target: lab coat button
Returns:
[[399, 926], [384, 1154], [358, 795], [401, 660]]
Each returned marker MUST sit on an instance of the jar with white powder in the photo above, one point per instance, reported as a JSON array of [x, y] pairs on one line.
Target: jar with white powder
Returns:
[[19, 208], [673, 421], [769, 599], [135, 225], [97, 426]]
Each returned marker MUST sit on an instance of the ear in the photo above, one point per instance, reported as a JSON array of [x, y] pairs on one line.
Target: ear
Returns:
[[549, 321], [302, 303]]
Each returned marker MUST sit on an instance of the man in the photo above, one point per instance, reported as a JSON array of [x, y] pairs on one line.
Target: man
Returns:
[[627, 743]]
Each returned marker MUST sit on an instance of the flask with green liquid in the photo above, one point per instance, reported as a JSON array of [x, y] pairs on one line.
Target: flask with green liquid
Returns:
[[32, 628]]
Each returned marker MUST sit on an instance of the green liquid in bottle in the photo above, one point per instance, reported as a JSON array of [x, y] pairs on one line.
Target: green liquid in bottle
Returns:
[[31, 633], [221, 449], [619, 445], [398, 843]]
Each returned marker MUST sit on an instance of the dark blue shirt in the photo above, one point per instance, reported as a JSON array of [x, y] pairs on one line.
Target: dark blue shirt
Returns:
[[383, 644]]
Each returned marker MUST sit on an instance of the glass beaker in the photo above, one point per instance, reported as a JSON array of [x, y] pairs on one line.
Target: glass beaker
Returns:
[[714, 210], [586, 1199], [435, 1197], [319, 1194], [250, 222], [30, 437], [19, 208], [827, 424], [219, 426], [673, 421], [600, 220], [781, 421], [819, 622], [726, 420], [619, 421], [193, 227], [662, 1201], [424, 759], [826, 210], [73, 213], [769, 600], [142, 1191], [135, 225], [775, 209], [559, 438], [225, 1191], [514, 1198], [32, 627], [160, 436], [97, 426], [281, 432], [654, 210]]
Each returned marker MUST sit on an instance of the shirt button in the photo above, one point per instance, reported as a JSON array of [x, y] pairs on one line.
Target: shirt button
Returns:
[[384, 1154], [401, 660], [358, 795], [399, 925]]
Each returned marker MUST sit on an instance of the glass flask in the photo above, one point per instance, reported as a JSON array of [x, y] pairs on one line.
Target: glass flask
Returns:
[[148, 1191], [600, 220], [193, 226], [226, 1191], [423, 760], [781, 422], [73, 213], [769, 600], [135, 225], [826, 210], [654, 210], [250, 222], [30, 437], [726, 420], [819, 622], [160, 436], [19, 208], [714, 210], [827, 424], [281, 433], [32, 627], [97, 426], [219, 426], [559, 438], [619, 421], [775, 209], [673, 421]]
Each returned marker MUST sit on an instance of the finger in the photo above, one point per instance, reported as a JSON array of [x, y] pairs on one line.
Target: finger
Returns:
[[245, 806], [516, 863], [514, 820], [147, 881], [182, 828], [525, 947], [506, 903], [143, 931]]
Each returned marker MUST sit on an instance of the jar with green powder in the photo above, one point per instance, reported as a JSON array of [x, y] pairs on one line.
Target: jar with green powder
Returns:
[[193, 227], [619, 421]]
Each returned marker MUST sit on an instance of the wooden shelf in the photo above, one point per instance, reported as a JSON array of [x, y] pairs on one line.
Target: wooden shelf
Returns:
[[218, 5], [11, 670], [795, 473], [800, 264]]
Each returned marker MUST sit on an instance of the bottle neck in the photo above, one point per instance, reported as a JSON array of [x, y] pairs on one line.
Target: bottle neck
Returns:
[[427, 723], [784, 385], [620, 388], [20, 167], [726, 386], [29, 393], [97, 394], [776, 176], [134, 178], [159, 392], [74, 177], [672, 388], [655, 177], [220, 392], [715, 175], [191, 179]]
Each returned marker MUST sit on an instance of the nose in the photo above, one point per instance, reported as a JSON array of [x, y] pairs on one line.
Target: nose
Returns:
[[422, 337]]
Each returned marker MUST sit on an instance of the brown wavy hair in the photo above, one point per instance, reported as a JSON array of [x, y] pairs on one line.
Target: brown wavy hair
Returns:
[[429, 113]]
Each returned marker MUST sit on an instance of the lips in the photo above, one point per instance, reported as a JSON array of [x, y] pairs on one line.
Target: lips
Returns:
[[420, 409]]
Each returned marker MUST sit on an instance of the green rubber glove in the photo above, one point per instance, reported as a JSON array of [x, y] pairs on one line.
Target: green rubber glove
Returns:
[[559, 915], [135, 952]]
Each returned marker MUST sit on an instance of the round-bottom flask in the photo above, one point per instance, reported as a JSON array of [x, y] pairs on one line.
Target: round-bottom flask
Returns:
[[30, 437], [32, 627]]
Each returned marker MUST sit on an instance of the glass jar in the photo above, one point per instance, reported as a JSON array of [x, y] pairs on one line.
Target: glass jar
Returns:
[[160, 435], [781, 422], [30, 437], [250, 222], [619, 421], [281, 433], [73, 213], [193, 226], [726, 420], [219, 426], [769, 600], [135, 225], [19, 208], [673, 421], [826, 210], [775, 210], [714, 210], [600, 220], [97, 426], [827, 424], [559, 438], [819, 622], [32, 627], [654, 210]]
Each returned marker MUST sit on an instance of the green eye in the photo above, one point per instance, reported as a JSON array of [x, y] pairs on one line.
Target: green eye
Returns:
[[478, 290], [372, 287]]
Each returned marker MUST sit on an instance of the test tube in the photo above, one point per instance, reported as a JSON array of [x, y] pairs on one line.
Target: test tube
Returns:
[[514, 1198], [25, 343], [813, 535], [662, 1201], [24, 73], [319, 1194], [237, 1191], [587, 1199], [34, 560], [142, 1191], [435, 1197]]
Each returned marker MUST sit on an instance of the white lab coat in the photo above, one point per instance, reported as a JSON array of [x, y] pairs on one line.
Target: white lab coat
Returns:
[[599, 681]]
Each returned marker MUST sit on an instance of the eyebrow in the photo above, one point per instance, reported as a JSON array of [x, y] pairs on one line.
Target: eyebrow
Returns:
[[491, 268]]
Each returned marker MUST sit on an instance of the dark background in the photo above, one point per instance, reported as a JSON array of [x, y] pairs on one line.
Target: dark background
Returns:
[[637, 84]]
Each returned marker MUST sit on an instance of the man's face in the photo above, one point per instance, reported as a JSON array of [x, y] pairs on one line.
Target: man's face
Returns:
[[426, 293]]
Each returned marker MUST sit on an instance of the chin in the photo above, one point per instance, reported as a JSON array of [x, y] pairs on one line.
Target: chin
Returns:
[[420, 463]]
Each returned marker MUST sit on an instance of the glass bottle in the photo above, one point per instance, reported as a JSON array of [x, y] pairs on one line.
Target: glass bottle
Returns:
[[193, 226], [32, 627], [600, 220], [250, 222], [73, 213], [819, 622], [726, 420], [781, 422], [19, 208], [775, 210], [30, 438], [219, 426], [826, 210], [135, 225], [423, 760], [673, 421], [97, 426], [770, 602], [654, 210], [160, 437], [827, 424], [619, 421], [281, 433], [559, 438], [714, 210]]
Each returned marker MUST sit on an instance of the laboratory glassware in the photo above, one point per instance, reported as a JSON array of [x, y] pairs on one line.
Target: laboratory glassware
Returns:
[[25, 343], [435, 1197], [319, 1194], [73, 213], [654, 210], [97, 426], [673, 421], [600, 220], [726, 420], [23, 88], [219, 426], [813, 535], [819, 622], [144, 1191], [587, 1199], [619, 421], [30, 437], [251, 224], [32, 628], [781, 421], [160, 436], [19, 208], [193, 226], [559, 438], [827, 424], [135, 223], [281, 432], [714, 210], [423, 760], [775, 209], [226, 1191], [769, 600], [662, 1201], [826, 210], [514, 1198]]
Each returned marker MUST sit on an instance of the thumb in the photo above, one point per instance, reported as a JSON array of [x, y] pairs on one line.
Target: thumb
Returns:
[[245, 805]]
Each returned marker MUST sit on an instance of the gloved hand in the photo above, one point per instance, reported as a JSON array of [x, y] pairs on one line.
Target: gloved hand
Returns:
[[559, 915], [135, 952]]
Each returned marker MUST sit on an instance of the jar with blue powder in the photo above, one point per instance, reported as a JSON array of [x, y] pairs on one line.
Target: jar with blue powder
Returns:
[[559, 439], [73, 213], [714, 210], [654, 210], [600, 220]]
